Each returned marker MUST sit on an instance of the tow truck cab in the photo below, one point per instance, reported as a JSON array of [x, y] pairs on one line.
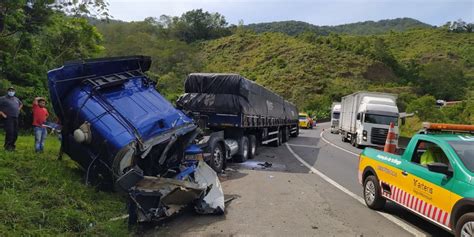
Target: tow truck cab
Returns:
[[434, 177]]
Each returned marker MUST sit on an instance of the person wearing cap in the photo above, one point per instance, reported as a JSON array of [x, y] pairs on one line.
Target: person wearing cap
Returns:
[[40, 114], [10, 107]]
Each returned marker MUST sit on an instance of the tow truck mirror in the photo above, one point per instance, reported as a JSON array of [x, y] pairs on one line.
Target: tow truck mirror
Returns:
[[441, 168]]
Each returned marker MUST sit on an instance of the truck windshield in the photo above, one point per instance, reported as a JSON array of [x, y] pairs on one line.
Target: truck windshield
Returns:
[[302, 117], [380, 119], [335, 115], [465, 151]]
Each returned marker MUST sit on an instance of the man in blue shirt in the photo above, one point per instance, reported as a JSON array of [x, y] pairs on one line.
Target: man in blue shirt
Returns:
[[10, 107]]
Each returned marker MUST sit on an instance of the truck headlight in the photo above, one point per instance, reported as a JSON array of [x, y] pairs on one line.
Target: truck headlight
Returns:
[[83, 134], [364, 135]]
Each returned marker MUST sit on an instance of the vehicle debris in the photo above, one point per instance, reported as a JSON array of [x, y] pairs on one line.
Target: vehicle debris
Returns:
[[156, 198], [265, 165]]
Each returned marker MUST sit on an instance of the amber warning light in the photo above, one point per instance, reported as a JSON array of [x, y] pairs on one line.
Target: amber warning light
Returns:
[[448, 127]]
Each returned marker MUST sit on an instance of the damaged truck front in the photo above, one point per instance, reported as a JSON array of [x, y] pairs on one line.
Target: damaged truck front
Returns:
[[123, 133]]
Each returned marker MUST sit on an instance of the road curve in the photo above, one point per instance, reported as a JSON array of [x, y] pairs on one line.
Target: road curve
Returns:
[[311, 189], [339, 161]]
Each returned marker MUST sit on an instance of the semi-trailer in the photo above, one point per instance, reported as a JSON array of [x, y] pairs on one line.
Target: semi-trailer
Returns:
[[236, 115]]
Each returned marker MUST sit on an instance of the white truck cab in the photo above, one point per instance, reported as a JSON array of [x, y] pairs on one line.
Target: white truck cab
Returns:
[[366, 118], [335, 115]]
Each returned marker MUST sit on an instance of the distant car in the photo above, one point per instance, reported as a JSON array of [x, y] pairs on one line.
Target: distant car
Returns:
[[305, 121]]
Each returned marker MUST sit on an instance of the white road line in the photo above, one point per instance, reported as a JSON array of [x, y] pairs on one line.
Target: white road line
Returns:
[[391, 218], [308, 146], [336, 146]]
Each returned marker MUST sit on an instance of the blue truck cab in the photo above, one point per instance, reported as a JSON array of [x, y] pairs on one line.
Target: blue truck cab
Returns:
[[113, 118]]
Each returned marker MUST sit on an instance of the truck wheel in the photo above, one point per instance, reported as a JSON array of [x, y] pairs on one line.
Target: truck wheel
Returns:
[[286, 136], [243, 153], [296, 133], [354, 141], [343, 138], [372, 193], [252, 146], [465, 225], [217, 157], [279, 141]]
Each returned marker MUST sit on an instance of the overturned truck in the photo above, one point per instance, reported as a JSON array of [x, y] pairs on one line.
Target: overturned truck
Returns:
[[236, 115], [124, 134]]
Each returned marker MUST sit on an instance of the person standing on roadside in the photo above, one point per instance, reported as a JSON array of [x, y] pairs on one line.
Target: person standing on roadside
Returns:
[[40, 114], [10, 107]]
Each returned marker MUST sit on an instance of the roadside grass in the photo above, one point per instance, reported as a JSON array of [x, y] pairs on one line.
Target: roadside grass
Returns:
[[41, 196]]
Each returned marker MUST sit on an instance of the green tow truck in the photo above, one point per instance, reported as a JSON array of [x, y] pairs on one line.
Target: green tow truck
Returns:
[[433, 178]]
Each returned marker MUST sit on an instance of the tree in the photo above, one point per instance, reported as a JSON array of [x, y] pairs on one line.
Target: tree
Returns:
[[198, 25], [444, 80]]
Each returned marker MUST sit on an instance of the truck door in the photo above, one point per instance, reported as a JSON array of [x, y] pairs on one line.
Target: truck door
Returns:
[[428, 191]]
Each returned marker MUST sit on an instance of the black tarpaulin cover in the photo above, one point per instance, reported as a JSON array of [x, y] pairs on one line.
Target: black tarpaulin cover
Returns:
[[232, 93]]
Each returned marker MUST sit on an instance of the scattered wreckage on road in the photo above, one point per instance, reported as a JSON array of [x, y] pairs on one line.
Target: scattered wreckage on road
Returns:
[[126, 135]]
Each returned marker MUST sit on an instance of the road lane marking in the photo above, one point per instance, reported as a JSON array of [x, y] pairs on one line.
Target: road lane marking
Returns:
[[336, 146], [307, 146], [391, 218]]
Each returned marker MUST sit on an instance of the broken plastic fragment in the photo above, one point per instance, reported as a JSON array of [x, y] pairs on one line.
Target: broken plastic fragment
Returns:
[[213, 201]]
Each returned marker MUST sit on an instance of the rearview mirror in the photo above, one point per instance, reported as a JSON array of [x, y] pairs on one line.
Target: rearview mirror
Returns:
[[441, 168]]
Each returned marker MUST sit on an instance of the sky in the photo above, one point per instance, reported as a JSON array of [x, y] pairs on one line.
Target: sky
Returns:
[[318, 12]]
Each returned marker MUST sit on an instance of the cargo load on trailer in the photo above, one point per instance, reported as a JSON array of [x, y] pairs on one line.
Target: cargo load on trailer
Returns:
[[232, 93]]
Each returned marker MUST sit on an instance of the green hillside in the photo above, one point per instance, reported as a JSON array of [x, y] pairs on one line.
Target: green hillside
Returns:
[[294, 28], [377, 27], [313, 71], [299, 71]]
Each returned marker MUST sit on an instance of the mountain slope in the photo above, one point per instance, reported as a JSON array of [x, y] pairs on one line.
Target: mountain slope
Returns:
[[298, 71], [360, 28]]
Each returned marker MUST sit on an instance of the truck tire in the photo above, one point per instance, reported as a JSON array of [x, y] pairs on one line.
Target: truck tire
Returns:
[[296, 133], [465, 224], [252, 146], [217, 157], [243, 153], [372, 193], [353, 140], [277, 142], [343, 137], [286, 135]]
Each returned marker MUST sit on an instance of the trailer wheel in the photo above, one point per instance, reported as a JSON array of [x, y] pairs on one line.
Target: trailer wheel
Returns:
[[217, 157], [252, 146], [279, 139], [296, 133], [243, 154], [286, 136]]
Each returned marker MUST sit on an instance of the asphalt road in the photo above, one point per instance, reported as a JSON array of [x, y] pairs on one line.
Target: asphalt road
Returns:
[[311, 189]]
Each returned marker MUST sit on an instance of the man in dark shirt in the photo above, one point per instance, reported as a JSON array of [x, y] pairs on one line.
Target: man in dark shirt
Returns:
[[10, 107]]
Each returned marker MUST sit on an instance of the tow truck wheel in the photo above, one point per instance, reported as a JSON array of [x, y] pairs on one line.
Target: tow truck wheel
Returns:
[[372, 194], [252, 146], [217, 159], [465, 225], [243, 153]]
